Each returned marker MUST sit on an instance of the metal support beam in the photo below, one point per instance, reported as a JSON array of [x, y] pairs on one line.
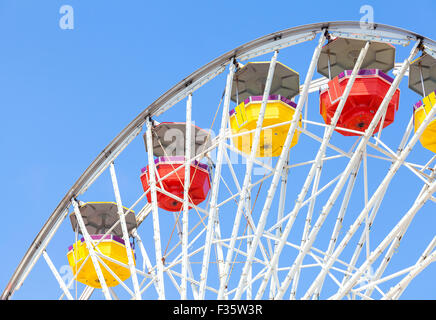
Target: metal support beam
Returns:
[[279, 168], [351, 164], [247, 178], [90, 247], [122, 218], [359, 245], [145, 258], [216, 181], [57, 275], [426, 258], [187, 182], [395, 244], [420, 201], [385, 183], [155, 212]]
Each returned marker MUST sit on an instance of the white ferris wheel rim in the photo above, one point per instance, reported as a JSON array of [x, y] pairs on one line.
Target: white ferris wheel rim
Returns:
[[268, 43]]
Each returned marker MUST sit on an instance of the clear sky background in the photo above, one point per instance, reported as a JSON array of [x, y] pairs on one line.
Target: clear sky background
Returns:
[[65, 94]]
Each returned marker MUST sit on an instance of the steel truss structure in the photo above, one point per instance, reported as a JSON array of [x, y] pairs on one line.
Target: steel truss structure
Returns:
[[278, 243]]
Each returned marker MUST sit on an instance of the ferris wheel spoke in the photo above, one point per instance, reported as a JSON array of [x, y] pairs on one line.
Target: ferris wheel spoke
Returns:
[[395, 244], [372, 282], [191, 243], [87, 293], [113, 274], [92, 252], [237, 241], [356, 157], [311, 200], [379, 193], [315, 137], [188, 267], [75, 278], [256, 161], [248, 171], [280, 165], [126, 239], [212, 218], [242, 252], [426, 258], [317, 165], [57, 275], [192, 281], [339, 219], [185, 255], [387, 240], [374, 211], [420, 174], [146, 260], [155, 214], [280, 213]]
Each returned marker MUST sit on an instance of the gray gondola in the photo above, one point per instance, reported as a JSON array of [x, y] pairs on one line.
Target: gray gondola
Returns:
[[99, 217], [422, 75], [169, 139], [251, 78], [341, 54]]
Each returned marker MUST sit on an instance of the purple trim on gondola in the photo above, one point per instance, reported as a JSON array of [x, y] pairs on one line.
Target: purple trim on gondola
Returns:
[[367, 72], [171, 158], [99, 236], [180, 159], [106, 237], [143, 169], [385, 76], [362, 72], [420, 102], [271, 97], [417, 105]]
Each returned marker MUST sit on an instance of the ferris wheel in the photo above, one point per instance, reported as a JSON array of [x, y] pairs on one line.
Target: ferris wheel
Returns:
[[282, 188]]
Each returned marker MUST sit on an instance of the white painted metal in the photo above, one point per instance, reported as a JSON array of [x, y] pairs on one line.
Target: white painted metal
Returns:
[[259, 270], [279, 168], [125, 232], [57, 275], [382, 246], [357, 154], [187, 182], [247, 177], [90, 247], [86, 294], [155, 213], [146, 259], [215, 187], [426, 258], [394, 245]]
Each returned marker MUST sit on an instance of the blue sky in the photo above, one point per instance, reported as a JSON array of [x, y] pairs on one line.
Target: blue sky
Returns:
[[65, 94]]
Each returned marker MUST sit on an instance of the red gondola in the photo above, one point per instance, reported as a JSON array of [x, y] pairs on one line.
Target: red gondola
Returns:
[[174, 182], [367, 93]]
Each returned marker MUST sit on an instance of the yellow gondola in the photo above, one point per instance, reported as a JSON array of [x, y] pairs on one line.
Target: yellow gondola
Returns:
[[248, 87], [111, 246], [421, 109], [244, 118]]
